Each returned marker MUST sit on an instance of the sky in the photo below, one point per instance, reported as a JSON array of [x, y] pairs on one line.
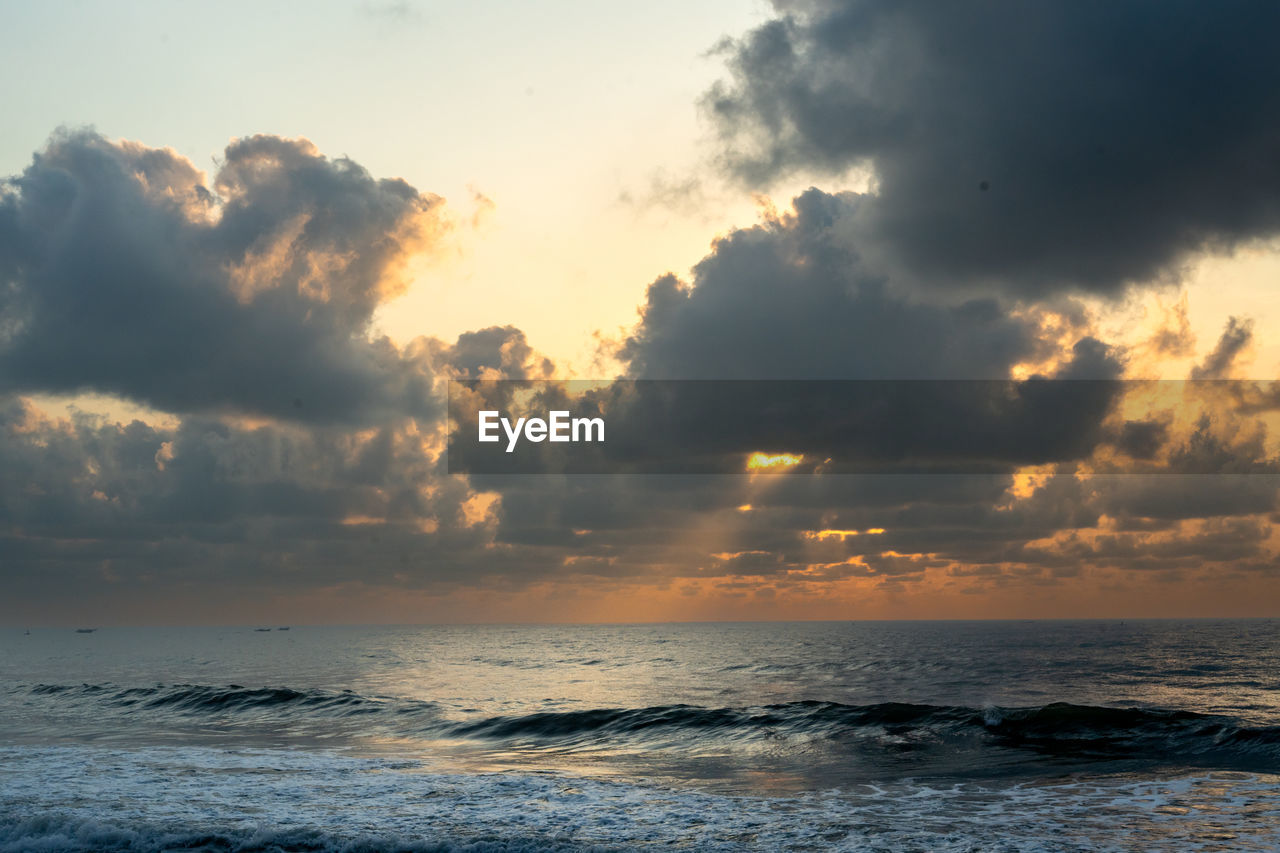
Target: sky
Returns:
[[244, 248]]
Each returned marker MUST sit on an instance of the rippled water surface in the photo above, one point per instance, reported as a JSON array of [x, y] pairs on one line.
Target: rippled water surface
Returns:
[[965, 736]]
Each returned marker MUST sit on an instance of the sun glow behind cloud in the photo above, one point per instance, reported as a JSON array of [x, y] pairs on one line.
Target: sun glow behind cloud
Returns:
[[773, 461]]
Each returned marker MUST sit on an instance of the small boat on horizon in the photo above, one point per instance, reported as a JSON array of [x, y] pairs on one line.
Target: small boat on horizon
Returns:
[[85, 630]]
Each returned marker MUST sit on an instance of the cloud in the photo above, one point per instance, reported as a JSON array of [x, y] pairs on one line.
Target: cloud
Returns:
[[1234, 341], [1056, 145], [303, 452], [1142, 439], [1173, 338], [99, 507], [497, 352], [394, 13], [790, 299], [300, 450], [681, 195], [127, 273]]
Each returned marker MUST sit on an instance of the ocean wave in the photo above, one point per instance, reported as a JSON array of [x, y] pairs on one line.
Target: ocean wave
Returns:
[[146, 800], [71, 835], [1058, 730], [198, 699]]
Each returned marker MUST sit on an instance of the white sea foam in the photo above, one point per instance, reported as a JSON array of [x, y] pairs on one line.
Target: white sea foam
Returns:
[[74, 798]]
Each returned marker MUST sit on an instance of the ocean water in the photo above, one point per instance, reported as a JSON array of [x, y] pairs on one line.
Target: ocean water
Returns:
[[906, 736]]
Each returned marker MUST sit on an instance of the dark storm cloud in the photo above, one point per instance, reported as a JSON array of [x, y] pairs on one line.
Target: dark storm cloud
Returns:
[[86, 503], [1142, 439], [1208, 452], [609, 513], [124, 273], [1036, 145], [900, 424], [279, 507], [868, 426], [1154, 502], [789, 299], [121, 271]]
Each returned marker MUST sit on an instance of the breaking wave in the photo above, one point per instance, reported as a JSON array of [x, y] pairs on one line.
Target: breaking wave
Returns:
[[1057, 730]]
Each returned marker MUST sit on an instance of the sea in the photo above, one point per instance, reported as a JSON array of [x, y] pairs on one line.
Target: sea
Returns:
[[849, 736]]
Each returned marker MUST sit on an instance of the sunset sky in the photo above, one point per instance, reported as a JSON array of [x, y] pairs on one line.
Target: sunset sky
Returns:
[[243, 248]]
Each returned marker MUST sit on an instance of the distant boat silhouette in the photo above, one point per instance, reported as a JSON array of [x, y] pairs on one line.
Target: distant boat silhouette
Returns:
[[262, 629], [285, 628], [85, 630]]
